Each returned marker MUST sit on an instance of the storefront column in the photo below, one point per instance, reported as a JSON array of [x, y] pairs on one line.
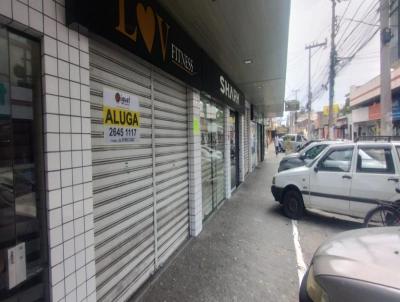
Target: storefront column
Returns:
[[241, 147], [227, 155], [68, 158], [67, 145], [195, 197]]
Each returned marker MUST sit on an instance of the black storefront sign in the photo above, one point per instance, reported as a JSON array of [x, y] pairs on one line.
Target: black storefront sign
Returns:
[[220, 86], [144, 28]]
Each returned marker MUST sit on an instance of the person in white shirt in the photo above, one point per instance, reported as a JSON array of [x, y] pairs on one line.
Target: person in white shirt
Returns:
[[276, 143]]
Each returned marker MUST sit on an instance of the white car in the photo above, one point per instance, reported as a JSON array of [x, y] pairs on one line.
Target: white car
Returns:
[[305, 156], [294, 142], [346, 179]]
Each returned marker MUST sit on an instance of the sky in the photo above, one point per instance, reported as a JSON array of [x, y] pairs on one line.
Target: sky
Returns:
[[310, 22]]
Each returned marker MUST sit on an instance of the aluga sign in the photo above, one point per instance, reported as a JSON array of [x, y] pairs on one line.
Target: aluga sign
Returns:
[[121, 117]]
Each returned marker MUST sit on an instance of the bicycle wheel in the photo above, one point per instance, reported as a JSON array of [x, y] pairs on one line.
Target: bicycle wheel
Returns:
[[382, 216]]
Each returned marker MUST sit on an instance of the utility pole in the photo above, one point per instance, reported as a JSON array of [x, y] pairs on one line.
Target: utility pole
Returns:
[[332, 72], [293, 114], [309, 48], [386, 91]]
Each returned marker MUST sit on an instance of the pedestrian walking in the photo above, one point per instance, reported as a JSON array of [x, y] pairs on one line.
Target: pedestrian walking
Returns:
[[276, 143]]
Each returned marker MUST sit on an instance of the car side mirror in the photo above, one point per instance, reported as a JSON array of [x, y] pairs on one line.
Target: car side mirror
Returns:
[[316, 169]]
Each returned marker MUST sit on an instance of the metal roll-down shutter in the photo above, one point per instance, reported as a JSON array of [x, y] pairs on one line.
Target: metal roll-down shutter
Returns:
[[246, 140], [127, 236], [172, 169]]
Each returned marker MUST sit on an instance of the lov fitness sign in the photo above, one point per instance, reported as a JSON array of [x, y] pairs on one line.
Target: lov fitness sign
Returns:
[[121, 117], [143, 28]]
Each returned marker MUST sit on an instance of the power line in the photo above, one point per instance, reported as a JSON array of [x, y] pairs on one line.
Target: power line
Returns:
[[348, 25], [344, 13], [353, 38], [370, 11]]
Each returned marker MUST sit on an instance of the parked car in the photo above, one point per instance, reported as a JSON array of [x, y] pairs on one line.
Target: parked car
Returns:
[[293, 142], [347, 178], [304, 156], [359, 265], [309, 142]]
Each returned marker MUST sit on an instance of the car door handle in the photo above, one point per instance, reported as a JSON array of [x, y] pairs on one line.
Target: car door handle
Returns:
[[395, 179], [346, 177]]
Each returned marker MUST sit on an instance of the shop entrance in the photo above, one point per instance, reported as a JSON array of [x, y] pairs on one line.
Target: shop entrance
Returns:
[[140, 188], [22, 237], [234, 152], [212, 156]]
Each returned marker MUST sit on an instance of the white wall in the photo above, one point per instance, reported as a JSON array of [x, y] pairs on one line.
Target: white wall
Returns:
[[195, 188], [69, 202], [360, 115]]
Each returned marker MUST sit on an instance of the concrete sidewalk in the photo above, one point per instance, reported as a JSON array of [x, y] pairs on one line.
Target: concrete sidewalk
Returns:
[[245, 252]]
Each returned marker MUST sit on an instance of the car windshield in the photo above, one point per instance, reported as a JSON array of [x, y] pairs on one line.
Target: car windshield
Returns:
[[289, 138], [314, 151], [305, 146]]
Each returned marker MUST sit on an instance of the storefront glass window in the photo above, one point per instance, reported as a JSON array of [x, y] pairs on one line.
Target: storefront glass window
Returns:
[[212, 155], [21, 199], [234, 154]]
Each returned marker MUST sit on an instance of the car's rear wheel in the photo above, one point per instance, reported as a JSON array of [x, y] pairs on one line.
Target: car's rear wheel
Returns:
[[293, 205]]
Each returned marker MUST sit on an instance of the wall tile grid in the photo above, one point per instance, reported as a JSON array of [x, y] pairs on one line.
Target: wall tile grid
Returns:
[[227, 154], [65, 85], [195, 189]]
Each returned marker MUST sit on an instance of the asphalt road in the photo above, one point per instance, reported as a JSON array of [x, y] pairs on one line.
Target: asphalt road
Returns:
[[246, 251], [315, 227]]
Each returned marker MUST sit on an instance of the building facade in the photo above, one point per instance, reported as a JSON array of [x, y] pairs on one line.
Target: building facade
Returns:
[[365, 104], [121, 136]]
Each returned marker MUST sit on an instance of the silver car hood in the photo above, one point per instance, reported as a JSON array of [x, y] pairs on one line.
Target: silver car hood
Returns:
[[370, 254], [291, 155]]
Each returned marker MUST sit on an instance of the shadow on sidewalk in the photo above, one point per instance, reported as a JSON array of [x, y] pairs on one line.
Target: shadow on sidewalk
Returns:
[[244, 253]]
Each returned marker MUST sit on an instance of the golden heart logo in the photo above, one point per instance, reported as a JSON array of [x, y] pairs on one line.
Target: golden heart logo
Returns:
[[147, 24]]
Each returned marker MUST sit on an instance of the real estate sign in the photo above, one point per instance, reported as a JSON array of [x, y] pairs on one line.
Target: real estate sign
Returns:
[[121, 117]]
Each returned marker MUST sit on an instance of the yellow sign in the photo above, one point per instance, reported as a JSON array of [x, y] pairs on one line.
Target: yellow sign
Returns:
[[121, 118], [147, 20], [335, 108], [196, 126]]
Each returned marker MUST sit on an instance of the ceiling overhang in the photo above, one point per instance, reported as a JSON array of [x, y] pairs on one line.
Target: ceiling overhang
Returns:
[[233, 31]]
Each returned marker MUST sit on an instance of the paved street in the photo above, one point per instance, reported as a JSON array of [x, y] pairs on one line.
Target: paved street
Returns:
[[246, 251]]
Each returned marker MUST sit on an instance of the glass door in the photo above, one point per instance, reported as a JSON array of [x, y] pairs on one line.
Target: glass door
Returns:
[[22, 248], [234, 152], [218, 156], [212, 156]]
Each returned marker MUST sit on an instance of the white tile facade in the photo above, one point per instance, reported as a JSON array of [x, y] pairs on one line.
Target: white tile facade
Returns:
[[195, 197], [65, 69]]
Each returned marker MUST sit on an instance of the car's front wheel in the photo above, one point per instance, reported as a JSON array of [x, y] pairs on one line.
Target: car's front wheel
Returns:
[[293, 205]]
